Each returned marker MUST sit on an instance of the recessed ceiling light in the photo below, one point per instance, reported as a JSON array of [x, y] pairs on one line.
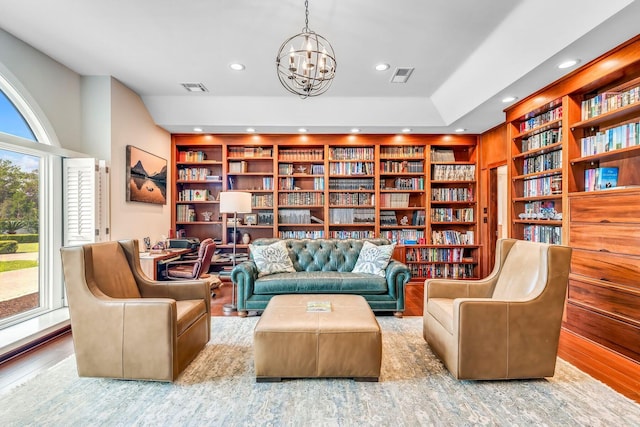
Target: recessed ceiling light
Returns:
[[236, 66], [302, 130], [197, 129], [509, 98], [406, 130], [460, 130], [355, 130], [250, 130], [382, 67], [569, 63]]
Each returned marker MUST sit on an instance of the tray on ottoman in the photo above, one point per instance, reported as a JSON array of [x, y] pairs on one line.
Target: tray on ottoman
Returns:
[[291, 342]]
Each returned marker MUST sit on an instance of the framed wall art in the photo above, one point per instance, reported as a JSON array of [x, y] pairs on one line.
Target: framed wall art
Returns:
[[146, 177]]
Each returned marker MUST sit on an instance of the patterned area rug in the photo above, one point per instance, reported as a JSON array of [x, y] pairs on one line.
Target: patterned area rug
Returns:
[[218, 388]]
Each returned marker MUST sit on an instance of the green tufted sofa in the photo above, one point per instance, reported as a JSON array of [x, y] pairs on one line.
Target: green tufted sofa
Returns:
[[322, 266]]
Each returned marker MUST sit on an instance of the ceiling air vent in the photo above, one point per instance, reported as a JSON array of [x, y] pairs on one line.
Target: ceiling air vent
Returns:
[[194, 87], [401, 75]]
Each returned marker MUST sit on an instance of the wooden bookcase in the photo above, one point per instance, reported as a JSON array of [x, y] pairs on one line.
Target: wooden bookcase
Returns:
[[600, 129], [536, 174], [338, 186]]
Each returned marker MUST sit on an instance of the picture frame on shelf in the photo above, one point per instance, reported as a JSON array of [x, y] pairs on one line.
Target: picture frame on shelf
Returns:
[[251, 219]]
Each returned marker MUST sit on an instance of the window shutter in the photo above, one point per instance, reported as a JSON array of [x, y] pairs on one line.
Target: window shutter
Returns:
[[86, 205]]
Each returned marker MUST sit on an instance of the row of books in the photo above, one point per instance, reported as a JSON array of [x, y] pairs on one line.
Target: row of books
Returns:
[[191, 156], [351, 168], [354, 199], [290, 184], [194, 194], [541, 119], [540, 210], [185, 213], [304, 154], [541, 139], [351, 184], [404, 236], [600, 178], [262, 200], [394, 200], [542, 162], [435, 254], [301, 234], [294, 216], [609, 101], [267, 183], [290, 169], [627, 135], [194, 174], [351, 234], [543, 234], [442, 155], [452, 215], [538, 187], [452, 237], [454, 172], [351, 153], [300, 199], [392, 166], [405, 184], [406, 151], [459, 194], [443, 271], [249, 152], [352, 216]]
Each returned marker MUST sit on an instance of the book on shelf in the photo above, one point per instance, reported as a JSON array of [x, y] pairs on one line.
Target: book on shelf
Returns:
[[316, 220], [600, 178], [442, 155]]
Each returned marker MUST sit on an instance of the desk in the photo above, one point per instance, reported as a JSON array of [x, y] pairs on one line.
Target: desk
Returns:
[[149, 262]]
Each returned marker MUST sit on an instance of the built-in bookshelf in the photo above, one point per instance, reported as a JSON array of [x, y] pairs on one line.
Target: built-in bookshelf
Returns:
[[352, 187], [537, 174], [403, 194], [328, 186], [301, 192], [594, 206]]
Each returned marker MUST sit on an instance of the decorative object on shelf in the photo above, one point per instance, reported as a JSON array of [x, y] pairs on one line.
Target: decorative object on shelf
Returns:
[[207, 215], [234, 202], [251, 219], [306, 63], [302, 169], [404, 220], [146, 177], [246, 238]]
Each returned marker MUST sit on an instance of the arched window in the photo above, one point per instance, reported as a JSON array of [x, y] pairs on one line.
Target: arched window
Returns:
[[12, 121]]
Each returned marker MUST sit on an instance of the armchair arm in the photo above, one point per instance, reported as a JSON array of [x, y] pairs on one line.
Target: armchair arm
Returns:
[[397, 275], [244, 276], [454, 288]]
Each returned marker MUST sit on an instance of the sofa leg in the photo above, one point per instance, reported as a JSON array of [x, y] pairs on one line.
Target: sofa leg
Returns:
[[398, 314], [242, 313]]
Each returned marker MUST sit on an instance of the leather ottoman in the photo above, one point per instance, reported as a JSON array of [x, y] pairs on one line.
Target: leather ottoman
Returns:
[[291, 342]]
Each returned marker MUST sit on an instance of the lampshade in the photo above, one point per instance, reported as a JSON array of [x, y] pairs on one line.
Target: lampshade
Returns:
[[235, 202]]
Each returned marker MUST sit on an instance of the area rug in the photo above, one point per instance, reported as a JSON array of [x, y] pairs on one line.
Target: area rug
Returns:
[[219, 388]]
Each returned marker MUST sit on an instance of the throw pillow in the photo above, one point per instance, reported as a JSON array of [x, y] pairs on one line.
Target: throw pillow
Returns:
[[271, 259], [373, 259]]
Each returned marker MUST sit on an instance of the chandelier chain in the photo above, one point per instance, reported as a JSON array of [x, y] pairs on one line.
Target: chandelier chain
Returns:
[[306, 16]]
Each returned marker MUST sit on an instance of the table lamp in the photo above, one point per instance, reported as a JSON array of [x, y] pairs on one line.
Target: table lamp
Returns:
[[234, 202]]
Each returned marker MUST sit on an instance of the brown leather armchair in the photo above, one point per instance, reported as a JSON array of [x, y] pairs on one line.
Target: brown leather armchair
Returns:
[[506, 325], [125, 325]]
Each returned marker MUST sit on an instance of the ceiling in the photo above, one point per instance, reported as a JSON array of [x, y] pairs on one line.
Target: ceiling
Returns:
[[468, 55]]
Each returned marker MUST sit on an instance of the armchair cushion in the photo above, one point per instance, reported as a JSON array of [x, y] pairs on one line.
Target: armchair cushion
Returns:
[[271, 259], [442, 310], [110, 265], [188, 311], [373, 259]]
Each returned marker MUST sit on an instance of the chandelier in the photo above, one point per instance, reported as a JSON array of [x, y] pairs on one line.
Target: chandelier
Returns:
[[306, 63]]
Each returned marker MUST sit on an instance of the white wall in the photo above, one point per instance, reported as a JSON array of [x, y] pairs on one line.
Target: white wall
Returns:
[[131, 124], [94, 115]]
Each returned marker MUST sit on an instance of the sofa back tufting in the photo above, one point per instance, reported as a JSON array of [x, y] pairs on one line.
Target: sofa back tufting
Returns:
[[323, 254]]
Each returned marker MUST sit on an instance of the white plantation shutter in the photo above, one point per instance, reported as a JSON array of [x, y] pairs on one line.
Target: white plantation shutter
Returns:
[[86, 204]]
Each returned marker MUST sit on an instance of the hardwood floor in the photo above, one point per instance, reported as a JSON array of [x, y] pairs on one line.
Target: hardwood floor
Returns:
[[619, 373]]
